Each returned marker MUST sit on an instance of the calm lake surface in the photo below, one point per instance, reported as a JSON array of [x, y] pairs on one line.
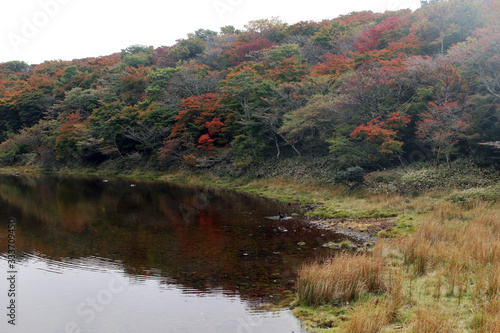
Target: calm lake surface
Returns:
[[136, 256]]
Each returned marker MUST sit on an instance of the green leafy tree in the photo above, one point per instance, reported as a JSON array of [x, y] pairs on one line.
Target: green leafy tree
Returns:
[[229, 29], [444, 23], [83, 100], [247, 89], [158, 82], [305, 127], [279, 53], [106, 123], [18, 66], [187, 49], [71, 77], [137, 55], [337, 37], [203, 34]]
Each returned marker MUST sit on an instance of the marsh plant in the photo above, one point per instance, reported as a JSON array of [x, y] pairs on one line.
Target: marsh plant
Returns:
[[344, 278], [443, 277]]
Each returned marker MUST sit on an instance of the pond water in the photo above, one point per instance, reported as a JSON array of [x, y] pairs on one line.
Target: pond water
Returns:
[[124, 256]]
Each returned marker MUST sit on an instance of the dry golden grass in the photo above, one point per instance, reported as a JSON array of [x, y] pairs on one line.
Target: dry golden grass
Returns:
[[344, 278], [492, 324], [463, 247], [448, 280], [367, 318], [394, 297], [431, 320], [417, 254], [396, 202], [455, 239], [373, 315]]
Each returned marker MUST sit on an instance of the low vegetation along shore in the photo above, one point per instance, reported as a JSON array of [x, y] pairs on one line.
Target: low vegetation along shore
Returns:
[[434, 266], [442, 277]]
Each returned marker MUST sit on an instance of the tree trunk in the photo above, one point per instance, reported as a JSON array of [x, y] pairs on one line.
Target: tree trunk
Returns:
[[277, 145], [448, 161], [401, 160], [290, 144], [438, 156]]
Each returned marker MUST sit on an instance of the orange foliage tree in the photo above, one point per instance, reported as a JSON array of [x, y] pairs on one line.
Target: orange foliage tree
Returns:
[[69, 134], [333, 64], [383, 133], [203, 118]]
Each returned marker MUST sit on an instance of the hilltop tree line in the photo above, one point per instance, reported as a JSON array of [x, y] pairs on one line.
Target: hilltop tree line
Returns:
[[367, 89]]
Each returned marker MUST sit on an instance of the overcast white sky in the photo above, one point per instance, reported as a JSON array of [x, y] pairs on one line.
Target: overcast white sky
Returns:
[[39, 30]]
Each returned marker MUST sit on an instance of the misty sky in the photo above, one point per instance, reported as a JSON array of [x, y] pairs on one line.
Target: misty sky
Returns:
[[39, 30]]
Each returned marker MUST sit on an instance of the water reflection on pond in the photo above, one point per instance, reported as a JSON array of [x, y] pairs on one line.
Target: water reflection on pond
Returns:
[[156, 257]]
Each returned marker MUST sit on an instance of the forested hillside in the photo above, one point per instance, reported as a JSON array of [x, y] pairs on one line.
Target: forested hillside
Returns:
[[367, 89]]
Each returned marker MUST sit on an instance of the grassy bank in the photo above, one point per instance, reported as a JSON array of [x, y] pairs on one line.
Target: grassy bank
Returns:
[[443, 277]]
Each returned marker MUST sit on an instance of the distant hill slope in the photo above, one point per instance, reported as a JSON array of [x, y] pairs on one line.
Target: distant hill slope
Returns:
[[367, 89]]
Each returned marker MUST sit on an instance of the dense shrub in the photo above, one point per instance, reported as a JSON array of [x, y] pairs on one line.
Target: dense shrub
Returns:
[[420, 177], [467, 197], [351, 175]]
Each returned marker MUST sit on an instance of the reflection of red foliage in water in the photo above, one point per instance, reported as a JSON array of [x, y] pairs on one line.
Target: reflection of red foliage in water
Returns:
[[72, 218], [158, 230], [196, 229], [213, 244]]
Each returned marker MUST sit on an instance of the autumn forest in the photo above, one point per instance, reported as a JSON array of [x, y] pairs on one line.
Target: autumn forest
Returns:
[[365, 89]]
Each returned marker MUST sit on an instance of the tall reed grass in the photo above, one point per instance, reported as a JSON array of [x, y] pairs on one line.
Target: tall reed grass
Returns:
[[452, 238], [367, 318], [344, 278], [431, 320], [444, 277], [462, 246]]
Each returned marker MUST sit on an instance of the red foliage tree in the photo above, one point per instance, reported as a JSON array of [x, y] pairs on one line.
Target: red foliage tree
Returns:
[[205, 142], [384, 132], [162, 57], [197, 110], [204, 119], [238, 53], [253, 45], [105, 61], [289, 70], [408, 45], [333, 64], [374, 38], [216, 127], [442, 126]]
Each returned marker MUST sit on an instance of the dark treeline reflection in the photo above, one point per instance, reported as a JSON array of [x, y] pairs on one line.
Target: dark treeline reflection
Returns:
[[202, 239]]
